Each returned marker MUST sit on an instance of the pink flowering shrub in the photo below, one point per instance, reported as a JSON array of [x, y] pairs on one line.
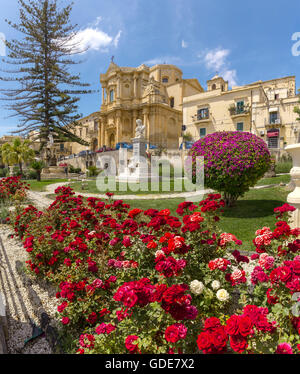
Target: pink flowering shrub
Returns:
[[135, 281], [233, 161]]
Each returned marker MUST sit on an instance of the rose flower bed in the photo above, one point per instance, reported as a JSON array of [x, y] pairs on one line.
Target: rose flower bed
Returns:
[[12, 188], [134, 281]]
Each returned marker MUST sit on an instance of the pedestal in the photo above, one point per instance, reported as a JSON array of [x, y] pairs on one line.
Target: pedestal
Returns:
[[294, 197], [138, 169], [53, 172]]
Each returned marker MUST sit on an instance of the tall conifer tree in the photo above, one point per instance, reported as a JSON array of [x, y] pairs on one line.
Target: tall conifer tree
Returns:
[[43, 92]]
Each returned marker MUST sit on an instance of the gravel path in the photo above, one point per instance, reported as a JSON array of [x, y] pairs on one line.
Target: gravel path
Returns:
[[25, 298], [193, 196]]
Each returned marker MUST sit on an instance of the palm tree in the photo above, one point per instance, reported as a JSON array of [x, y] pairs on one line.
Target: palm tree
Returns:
[[38, 166], [17, 152]]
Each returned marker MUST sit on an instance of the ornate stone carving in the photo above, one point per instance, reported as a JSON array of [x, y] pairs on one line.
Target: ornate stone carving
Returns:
[[140, 129]]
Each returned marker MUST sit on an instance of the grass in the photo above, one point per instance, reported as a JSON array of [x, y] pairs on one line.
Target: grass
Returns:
[[131, 189], [275, 180], [253, 211], [124, 189], [40, 186]]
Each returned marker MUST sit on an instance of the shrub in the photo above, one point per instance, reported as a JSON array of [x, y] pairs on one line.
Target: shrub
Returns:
[[233, 162], [93, 171], [31, 174], [3, 172], [74, 170], [12, 188], [283, 167], [37, 166]]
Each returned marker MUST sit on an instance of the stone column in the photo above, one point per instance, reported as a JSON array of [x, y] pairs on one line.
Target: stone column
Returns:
[[135, 87], [134, 118], [294, 197], [118, 88], [118, 127], [146, 123], [102, 133]]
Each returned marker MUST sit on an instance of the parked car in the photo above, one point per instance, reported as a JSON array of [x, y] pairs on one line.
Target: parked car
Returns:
[[188, 145], [151, 146], [82, 153], [124, 145]]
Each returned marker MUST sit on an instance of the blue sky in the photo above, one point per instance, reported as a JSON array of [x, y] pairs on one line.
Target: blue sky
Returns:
[[243, 41]]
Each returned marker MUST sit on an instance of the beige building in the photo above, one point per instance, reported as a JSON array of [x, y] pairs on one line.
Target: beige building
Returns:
[[153, 95], [263, 108], [87, 130]]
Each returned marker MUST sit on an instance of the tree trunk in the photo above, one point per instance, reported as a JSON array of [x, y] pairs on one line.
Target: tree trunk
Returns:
[[21, 168], [229, 199]]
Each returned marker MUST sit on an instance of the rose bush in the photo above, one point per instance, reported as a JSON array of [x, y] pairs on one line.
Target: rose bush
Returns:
[[12, 188], [234, 161], [135, 281]]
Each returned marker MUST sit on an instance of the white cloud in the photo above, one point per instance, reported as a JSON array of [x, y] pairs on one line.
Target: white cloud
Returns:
[[230, 76], [217, 60], [184, 44], [93, 38], [117, 39]]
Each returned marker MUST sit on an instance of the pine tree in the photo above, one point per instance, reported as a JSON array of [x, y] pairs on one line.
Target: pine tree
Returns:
[[46, 94]]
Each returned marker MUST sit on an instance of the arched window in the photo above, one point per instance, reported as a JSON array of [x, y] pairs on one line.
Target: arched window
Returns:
[[165, 80], [213, 87], [111, 95], [172, 102]]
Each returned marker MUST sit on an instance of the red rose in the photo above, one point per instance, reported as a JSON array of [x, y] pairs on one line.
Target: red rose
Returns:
[[204, 342], [212, 323], [232, 326], [238, 343], [245, 325], [132, 348], [219, 339], [175, 332]]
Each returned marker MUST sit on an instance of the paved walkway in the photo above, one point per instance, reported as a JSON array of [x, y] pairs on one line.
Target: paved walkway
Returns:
[[24, 297]]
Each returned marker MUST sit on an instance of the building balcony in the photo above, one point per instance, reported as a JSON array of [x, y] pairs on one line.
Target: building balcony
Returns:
[[201, 119], [239, 112], [274, 123]]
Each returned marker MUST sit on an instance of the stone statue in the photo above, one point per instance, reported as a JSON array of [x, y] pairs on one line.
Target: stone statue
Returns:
[[140, 129], [51, 140]]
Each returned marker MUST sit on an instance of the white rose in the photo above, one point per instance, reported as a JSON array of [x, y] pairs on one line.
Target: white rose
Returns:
[[222, 295], [159, 252], [196, 287], [215, 285]]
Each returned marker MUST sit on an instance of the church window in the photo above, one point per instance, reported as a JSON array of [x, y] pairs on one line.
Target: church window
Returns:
[[165, 80], [111, 95]]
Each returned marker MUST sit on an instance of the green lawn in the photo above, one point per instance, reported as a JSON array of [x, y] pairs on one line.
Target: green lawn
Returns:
[[145, 188], [130, 189], [41, 185], [253, 211], [275, 180]]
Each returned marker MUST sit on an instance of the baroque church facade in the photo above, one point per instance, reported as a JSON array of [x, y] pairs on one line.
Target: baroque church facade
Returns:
[[154, 95]]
